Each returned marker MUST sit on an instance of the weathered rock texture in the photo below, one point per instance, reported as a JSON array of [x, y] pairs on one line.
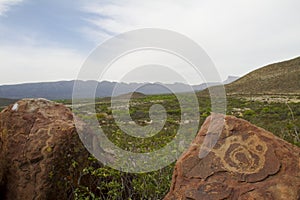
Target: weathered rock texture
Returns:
[[38, 145], [246, 163]]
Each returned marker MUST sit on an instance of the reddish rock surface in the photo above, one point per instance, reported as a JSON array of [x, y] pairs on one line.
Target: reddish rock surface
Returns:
[[246, 163], [38, 145]]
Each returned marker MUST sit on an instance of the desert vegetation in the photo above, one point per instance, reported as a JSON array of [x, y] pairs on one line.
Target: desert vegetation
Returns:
[[99, 182]]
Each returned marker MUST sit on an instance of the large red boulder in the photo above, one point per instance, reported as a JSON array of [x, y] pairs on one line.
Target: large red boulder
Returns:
[[247, 162], [41, 155]]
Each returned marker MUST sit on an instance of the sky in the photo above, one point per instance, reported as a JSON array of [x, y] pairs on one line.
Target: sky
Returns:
[[43, 40]]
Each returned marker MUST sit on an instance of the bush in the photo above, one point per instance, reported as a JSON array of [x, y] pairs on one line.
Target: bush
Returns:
[[249, 113], [106, 183], [99, 182]]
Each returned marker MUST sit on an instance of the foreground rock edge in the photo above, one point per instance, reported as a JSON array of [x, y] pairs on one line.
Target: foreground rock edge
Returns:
[[38, 148], [247, 162]]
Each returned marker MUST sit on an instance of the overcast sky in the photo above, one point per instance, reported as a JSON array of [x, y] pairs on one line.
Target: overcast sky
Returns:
[[48, 40]]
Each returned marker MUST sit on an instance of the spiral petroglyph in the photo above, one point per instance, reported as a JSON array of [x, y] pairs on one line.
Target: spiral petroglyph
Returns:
[[247, 162], [243, 155]]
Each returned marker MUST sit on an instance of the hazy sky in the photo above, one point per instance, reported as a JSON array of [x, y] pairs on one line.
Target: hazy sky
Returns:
[[48, 40]]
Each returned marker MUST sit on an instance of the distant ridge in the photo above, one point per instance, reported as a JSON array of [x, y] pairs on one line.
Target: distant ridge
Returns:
[[278, 78], [134, 95], [231, 79], [4, 102], [64, 89]]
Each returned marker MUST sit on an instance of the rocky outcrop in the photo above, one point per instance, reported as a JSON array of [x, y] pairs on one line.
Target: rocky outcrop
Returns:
[[247, 162], [41, 154]]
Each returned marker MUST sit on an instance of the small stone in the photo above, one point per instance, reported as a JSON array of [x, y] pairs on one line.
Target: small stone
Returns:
[[15, 107]]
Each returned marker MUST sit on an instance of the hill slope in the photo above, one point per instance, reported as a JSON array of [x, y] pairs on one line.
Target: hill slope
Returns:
[[278, 78]]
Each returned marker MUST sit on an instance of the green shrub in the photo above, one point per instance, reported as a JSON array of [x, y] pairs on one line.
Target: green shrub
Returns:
[[101, 183], [98, 182], [249, 113]]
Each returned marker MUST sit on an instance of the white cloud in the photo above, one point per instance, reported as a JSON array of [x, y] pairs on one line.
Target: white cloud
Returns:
[[6, 4], [238, 35], [20, 64]]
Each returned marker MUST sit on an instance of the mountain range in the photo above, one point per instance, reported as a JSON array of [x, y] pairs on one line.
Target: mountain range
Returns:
[[64, 89], [277, 78]]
